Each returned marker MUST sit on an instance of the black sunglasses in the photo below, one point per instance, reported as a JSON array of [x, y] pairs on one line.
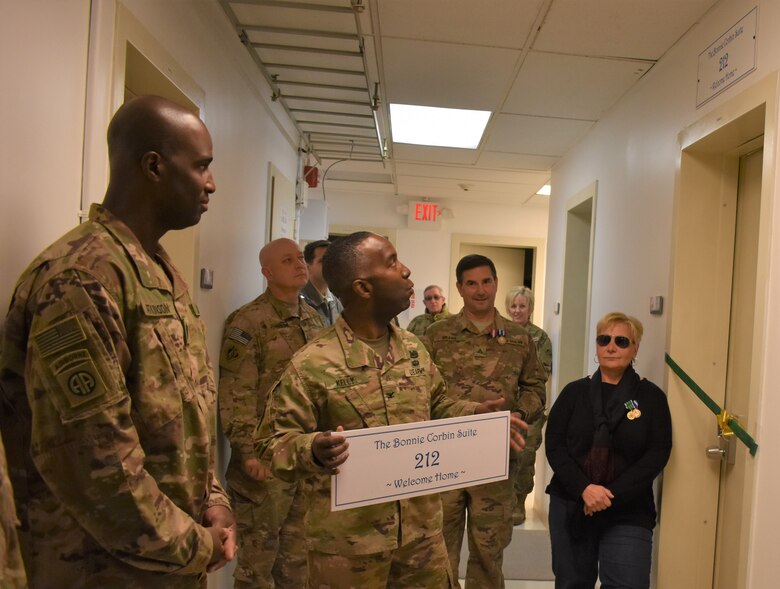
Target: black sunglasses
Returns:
[[621, 341]]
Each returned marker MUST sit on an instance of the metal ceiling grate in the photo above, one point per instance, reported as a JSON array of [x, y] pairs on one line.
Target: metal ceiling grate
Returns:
[[312, 55]]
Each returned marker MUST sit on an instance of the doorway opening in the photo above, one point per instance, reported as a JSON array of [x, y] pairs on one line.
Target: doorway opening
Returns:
[[519, 261], [575, 306], [143, 77], [716, 324]]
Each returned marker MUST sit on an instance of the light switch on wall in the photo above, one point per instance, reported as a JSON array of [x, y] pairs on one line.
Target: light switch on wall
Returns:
[[206, 278], [656, 305]]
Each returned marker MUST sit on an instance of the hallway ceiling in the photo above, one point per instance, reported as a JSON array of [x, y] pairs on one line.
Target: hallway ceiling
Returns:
[[546, 69]]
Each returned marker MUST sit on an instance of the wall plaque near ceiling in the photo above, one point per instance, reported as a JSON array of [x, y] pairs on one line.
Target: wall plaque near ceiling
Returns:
[[728, 59]]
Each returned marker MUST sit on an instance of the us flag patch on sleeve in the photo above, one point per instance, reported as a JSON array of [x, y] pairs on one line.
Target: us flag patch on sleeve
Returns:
[[238, 335], [58, 337]]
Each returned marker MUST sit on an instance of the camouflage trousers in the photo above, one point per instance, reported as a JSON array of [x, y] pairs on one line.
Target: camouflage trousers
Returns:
[[489, 509], [421, 564], [526, 463], [271, 544]]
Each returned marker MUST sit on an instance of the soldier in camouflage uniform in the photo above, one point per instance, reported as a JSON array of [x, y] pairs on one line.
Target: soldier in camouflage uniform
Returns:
[[484, 356], [520, 306], [435, 310], [12, 575], [259, 340], [108, 393], [361, 372]]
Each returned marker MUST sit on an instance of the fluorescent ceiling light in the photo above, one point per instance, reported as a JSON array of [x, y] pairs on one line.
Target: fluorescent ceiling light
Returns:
[[439, 127], [545, 190]]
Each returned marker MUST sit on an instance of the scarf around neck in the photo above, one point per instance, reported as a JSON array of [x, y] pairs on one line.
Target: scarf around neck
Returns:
[[607, 414]]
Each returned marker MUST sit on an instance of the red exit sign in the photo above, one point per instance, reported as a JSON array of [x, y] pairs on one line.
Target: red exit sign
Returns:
[[424, 215], [426, 211]]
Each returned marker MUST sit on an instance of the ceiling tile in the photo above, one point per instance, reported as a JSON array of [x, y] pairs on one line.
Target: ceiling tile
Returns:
[[535, 135], [445, 75], [498, 23], [517, 161], [405, 151], [547, 82], [618, 28], [471, 174]]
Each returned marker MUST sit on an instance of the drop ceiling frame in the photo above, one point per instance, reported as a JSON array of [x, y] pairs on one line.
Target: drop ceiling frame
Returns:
[[312, 55]]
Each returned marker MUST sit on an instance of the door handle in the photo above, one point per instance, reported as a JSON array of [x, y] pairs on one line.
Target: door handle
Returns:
[[726, 450]]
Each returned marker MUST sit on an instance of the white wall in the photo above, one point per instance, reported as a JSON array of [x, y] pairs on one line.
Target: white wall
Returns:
[[428, 253], [634, 155], [42, 118]]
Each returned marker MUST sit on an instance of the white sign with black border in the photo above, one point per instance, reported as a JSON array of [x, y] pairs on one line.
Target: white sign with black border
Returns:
[[411, 459], [728, 59]]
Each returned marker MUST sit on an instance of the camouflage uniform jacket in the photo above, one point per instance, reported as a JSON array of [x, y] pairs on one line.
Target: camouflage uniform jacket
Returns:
[[485, 365], [543, 346], [109, 401], [259, 340], [339, 380], [419, 324]]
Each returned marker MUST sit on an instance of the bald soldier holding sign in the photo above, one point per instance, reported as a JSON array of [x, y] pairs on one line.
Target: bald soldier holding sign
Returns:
[[107, 389]]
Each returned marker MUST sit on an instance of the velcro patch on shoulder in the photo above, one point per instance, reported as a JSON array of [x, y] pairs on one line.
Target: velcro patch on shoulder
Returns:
[[238, 335], [232, 354], [79, 377], [58, 337]]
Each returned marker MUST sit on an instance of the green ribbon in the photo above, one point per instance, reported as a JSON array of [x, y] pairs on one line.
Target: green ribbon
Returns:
[[736, 427]]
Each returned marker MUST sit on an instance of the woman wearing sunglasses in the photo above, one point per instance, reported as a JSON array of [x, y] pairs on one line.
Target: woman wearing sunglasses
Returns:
[[608, 437]]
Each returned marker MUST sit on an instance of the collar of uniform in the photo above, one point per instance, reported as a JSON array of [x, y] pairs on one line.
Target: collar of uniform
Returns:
[[443, 314], [465, 324], [148, 271], [357, 354], [310, 292], [282, 308]]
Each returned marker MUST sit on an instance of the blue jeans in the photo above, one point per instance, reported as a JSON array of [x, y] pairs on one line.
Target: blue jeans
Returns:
[[619, 555]]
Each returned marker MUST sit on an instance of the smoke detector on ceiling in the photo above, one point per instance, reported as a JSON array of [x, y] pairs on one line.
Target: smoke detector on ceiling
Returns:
[[465, 187]]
